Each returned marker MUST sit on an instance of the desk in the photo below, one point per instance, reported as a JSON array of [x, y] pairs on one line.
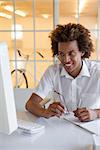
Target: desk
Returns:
[[58, 135]]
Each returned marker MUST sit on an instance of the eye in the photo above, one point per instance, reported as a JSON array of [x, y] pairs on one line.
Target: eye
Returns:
[[61, 54], [72, 53]]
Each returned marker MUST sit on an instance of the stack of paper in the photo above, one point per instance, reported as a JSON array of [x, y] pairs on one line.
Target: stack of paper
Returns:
[[30, 127], [91, 126]]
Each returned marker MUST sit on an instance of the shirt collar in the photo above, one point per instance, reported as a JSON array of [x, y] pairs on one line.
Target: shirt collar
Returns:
[[65, 73], [84, 71]]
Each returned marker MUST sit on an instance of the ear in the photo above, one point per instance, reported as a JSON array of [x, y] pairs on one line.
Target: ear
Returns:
[[82, 53]]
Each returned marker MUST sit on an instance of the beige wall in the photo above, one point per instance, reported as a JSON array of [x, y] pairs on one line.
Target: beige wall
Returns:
[[42, 41]]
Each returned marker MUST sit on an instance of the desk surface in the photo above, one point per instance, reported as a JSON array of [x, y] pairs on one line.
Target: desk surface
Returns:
[[58, 135]]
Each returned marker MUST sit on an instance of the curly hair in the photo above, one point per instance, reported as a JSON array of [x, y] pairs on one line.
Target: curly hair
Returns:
[[70, 32]]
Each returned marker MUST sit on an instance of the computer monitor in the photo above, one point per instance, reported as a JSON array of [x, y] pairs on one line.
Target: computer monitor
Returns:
[[8, 119]]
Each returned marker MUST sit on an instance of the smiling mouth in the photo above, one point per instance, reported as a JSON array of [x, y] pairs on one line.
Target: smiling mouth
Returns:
[[67, 65]]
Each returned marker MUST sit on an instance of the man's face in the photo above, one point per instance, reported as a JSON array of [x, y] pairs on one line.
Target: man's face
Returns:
[[70, 57]]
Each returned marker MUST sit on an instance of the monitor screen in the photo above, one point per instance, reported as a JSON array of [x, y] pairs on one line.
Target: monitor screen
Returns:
[[8, 119]]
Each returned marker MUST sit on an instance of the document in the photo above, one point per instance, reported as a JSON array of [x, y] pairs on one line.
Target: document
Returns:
[[91, 126], [30, 127], [27, 123]]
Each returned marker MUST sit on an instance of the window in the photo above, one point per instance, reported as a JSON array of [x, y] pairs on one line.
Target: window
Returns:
[[31, 22], [19, 35]]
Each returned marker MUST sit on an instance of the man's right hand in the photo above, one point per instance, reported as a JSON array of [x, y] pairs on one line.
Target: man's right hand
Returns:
[[33, 106], [54, 109]]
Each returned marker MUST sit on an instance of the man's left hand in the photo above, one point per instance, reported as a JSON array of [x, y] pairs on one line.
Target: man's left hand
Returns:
[[85, 114]]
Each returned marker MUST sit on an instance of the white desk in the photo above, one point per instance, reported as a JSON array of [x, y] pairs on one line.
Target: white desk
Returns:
[[58, 135]]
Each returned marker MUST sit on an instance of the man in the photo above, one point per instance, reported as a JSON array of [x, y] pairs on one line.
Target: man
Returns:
[[75, 81]]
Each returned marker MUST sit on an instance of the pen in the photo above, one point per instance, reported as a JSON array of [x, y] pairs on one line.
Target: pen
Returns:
[[79, 104], [66, 111]]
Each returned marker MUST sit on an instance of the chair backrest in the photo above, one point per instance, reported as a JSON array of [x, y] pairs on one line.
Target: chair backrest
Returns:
[[21, 97]]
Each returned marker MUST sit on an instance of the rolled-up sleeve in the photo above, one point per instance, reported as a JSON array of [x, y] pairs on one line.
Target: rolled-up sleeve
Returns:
[[46, 83]]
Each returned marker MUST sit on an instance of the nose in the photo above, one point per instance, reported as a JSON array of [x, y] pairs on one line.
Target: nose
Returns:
[[66, 58]]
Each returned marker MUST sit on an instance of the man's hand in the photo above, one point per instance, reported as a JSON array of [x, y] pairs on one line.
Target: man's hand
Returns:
[[54, 109], [85, 114]]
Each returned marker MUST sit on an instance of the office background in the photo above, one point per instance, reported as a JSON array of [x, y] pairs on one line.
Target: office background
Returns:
[[26, 24]]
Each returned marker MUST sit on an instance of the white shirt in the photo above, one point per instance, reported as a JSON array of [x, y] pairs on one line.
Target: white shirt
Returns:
[[83, 91]]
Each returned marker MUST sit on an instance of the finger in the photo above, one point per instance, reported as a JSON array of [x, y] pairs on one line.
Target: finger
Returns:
[[52, 109], [82, 115], [58, 112], [55, 106], [84, 118], [50, 113], [60, 104], [55, 112], [80, 111], [60, 109], [76, 113]]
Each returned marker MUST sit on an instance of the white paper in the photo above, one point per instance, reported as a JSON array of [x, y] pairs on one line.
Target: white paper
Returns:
[[30, 127], [92, 126]]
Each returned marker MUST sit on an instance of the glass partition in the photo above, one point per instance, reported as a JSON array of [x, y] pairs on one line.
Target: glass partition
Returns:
[[26, 25]]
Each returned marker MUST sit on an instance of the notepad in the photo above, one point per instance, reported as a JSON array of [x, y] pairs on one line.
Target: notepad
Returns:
[[91, 126]]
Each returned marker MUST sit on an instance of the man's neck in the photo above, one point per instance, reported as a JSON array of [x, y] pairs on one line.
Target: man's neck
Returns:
[[75, 73]]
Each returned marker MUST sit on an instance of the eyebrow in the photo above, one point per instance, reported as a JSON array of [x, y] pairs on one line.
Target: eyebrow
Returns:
[[68, 51]]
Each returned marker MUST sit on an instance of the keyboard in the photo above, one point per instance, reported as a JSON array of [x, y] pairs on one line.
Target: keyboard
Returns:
[[30, 127]]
